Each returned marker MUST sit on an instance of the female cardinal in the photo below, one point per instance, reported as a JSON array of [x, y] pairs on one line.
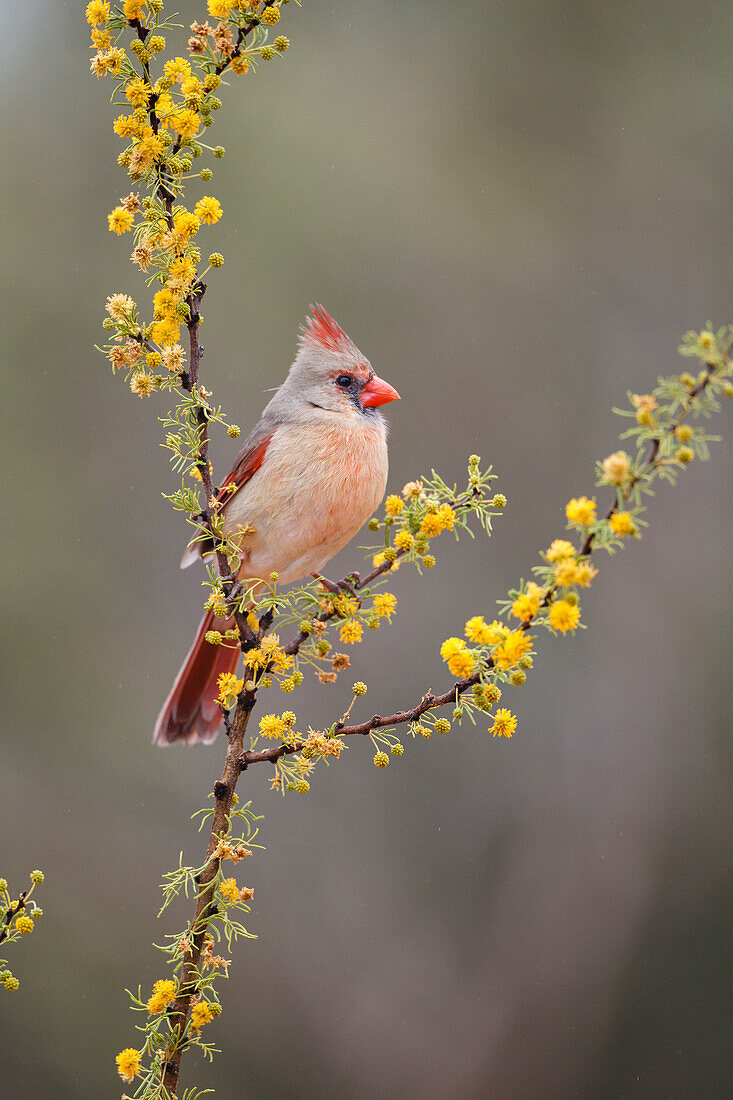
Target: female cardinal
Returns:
[[306, 479]]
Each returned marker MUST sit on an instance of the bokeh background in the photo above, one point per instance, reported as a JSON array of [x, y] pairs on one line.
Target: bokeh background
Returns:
[[516, 209]]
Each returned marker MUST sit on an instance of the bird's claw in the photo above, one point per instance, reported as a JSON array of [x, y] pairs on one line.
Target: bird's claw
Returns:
[[337, 587]]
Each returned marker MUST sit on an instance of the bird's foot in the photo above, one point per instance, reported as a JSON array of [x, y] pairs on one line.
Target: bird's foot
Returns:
[[337, 587]]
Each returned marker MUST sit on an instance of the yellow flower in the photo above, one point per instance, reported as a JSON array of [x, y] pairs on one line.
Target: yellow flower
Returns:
[[403, 540], [526, 606], [431, 525], [378, 560], [164, 992], [393, 506], [461, 663], [447, 516], [126, 126], [569, 572], [101, 39], [183, 269], [504, 724], [229, 686], [384, 604], [477, 630], [220, 8], [514, 646], [451, 646], [272, 726], [164, 303], [581, 511], [137, 92], [185, 223], [564, 616], [621, 523], [240, 65], [435, 522], [128, 1063], [270, 16], [120, 220], [177, 68], [201, 1014], [166, 331], [186, 123], [24, 925], [229, 889], [97, 12], [351, 632], [192, 89], [559, 549], [133, 9], [208, 209]]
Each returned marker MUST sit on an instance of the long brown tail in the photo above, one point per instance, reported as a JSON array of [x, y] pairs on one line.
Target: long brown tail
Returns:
[[190, 713]]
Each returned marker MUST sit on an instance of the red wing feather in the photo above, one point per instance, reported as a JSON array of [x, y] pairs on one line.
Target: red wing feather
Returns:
[[247, 464]]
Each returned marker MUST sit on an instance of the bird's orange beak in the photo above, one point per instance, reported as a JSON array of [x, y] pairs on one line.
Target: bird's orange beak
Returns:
[[377, 392]]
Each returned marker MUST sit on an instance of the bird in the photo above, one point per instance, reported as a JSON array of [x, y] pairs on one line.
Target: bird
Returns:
[[307, 478]]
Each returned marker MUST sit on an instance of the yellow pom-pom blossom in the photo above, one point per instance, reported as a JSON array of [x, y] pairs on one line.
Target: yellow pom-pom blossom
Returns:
[[621, 523], [564, 616], [133, 9], [137, 92], [165, 332], [127, 126], [186, 123], [208, 210], [128, 1063], [272, 726], [270, 16], [569, 572], [220, 8], [526, 606], [229, 889], [24, 925], [431, 525], [403, 540], [559, 549], [185, 223], [477, 630], [504, 723], [351, 632], [393, 506], [201, 1014], [229, 687], [97, 12], [514, 646], [164, 993], [581, 511], [176, 69], [120, 220], [447, 517], [459, 659], [384, 604]]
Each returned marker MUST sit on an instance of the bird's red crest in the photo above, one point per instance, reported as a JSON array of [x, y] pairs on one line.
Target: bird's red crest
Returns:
[[321, 330]]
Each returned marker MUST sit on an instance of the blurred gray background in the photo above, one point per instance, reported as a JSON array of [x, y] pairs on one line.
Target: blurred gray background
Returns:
[[516, 209]]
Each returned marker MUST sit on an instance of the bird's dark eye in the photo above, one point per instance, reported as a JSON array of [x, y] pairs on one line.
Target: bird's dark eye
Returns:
[[344, 380]]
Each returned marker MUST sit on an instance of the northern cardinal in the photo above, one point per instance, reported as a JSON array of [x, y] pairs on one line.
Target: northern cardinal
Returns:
[[307, 478]]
